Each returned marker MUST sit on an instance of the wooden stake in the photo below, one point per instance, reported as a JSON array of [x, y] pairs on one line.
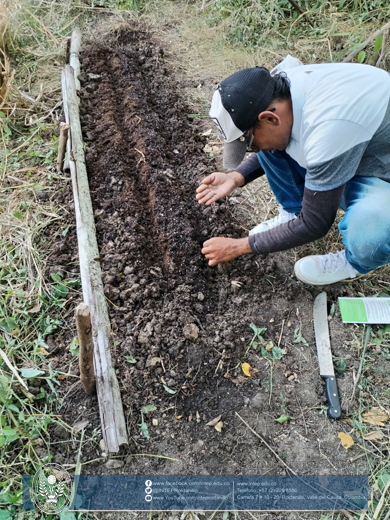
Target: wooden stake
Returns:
[[64, 127], [84, 333], [110, 402]]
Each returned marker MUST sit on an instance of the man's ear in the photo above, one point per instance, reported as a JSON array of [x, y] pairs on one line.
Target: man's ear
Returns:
[[269, 117]]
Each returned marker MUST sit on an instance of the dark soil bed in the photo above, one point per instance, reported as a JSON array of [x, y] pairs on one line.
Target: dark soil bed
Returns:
[[182, 329]]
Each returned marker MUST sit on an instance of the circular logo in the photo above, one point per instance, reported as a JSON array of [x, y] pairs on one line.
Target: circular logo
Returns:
[[148, 490], [148, 498], [51, 489], [148, 483]]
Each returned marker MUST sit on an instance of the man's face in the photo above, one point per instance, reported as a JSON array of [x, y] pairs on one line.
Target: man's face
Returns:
[[272, 130]]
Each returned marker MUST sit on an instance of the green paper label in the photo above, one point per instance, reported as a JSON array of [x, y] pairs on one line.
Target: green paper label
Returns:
[[365, 310]]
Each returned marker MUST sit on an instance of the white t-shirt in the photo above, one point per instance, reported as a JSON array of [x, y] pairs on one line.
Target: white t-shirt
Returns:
[[338, 109]]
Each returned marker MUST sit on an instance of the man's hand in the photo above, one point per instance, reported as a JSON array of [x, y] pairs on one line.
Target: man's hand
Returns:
[[219, 249], [218, 185]]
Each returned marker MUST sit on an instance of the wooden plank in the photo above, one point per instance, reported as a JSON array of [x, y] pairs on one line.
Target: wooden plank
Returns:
[[110, 403], [74, 62]]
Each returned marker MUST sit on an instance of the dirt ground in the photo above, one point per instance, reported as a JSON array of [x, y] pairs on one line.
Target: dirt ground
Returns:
[[182, 329]]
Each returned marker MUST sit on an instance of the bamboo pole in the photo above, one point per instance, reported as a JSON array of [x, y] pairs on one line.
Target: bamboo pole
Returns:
[[110, 403], [84, 334], [64, 127]]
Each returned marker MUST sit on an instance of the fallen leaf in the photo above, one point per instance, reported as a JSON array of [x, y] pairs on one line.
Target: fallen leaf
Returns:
[[169, 390], [283, 418], [43, 351], [219, 426], [81, 425], [375, 416], [373, 436], [246, 368], [61, 475], [213, 422], [61, 377], [207, 132], [346, 440], [239, 380]]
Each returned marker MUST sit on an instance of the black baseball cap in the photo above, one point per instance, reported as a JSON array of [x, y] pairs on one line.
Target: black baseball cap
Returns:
[[236, 103]]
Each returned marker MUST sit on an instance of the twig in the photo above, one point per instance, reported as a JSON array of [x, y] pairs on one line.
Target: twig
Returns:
[[324, 456], [357, 457], [383, 48], [298, 8], [366, 42], [387, 516], [281, 333], [368, 331], [345, 513], [12, 368], [303, 417], [143, 155], [381, 501], [264, 442]]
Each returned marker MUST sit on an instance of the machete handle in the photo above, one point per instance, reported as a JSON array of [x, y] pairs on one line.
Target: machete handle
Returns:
[[333, 397]]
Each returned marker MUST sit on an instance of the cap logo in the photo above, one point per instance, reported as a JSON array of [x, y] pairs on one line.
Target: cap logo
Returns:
[[218, 125]]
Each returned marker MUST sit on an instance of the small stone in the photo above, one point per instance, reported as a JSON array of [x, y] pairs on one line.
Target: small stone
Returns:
[[114, 464], [259, 400], [143, 338], [191, 331], [102, 445], [155, 422], [151, 363], [200, 296], [128, 270]]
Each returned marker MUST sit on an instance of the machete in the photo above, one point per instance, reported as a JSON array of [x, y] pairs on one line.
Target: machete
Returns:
[[321, 330]]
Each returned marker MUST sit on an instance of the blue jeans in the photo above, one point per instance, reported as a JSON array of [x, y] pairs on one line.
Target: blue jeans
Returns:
[[365, 228]]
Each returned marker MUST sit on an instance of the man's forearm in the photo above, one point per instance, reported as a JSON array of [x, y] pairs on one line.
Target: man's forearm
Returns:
[[250, 169], [242, 246], [237, 178]]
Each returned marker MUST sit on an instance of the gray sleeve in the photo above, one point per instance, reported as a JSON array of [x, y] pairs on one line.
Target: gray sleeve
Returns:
[[336, 172], [318, 212], [250, 169]]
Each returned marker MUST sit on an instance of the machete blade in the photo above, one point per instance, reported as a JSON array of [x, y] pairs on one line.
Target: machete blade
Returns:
[[321, 329]]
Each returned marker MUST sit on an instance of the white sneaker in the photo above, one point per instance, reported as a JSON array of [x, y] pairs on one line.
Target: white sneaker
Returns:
[[284, 216], [324, 269]]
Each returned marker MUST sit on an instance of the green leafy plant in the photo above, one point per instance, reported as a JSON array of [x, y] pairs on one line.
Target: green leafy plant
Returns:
[[143, 426], [257, 338], [284, 417]]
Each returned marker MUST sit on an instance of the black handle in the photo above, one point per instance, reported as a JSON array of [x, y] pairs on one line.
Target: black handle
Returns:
[[333, 397]]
